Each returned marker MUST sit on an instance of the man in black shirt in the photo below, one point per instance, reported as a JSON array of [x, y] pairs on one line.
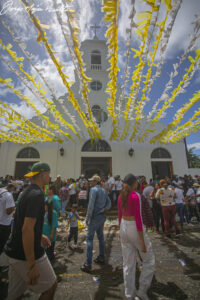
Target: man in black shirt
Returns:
[[28, 263]]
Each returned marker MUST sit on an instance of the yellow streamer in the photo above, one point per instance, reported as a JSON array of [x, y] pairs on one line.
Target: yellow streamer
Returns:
[[140, 104], [111, 8], [71, 98]]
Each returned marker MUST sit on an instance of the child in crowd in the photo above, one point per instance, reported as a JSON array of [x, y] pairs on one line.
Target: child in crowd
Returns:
[[52, 196], [73, 218], [82, 196], [49, 227]]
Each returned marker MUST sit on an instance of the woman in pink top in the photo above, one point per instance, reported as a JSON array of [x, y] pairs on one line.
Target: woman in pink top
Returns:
[[134, 240]]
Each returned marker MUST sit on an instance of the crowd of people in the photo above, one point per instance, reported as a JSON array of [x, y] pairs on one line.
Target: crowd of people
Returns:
[[33, 206]]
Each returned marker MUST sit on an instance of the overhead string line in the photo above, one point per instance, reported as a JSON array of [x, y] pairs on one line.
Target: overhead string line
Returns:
[[71, 98], [75, 31], [165, 96], [180, 88], [165, 133], [139, 107], [192, 122], [145, 34], [46, 102], [111, 9], [19, 133], [45, 119], [28, 56], [129, 32], [24, 123], [178, 136], [13, 138]]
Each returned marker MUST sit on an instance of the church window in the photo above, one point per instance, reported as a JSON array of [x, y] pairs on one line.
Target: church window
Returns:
[[160, 153], [96, 57], [28, 152], [99, 114], [96, 85], [96, 146], [96, 60]]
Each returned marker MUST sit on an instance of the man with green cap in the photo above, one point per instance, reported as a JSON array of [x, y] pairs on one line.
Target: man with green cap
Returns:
[[29, 266]]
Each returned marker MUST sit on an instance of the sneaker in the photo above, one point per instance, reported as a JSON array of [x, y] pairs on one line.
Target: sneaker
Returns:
[[75, 246], [142, 295], [86, 268], [178, 232], [99, 261]]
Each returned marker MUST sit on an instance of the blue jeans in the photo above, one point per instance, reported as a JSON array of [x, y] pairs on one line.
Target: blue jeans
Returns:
[[96, 225], [179, 210]]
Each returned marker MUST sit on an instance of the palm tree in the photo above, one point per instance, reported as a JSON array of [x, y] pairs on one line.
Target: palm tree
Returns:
[[194, 159]]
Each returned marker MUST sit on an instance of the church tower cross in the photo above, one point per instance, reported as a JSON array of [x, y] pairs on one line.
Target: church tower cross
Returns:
[[95, 27]]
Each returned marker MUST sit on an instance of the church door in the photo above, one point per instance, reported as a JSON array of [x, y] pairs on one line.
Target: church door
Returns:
[[96, 165], [162, 169]]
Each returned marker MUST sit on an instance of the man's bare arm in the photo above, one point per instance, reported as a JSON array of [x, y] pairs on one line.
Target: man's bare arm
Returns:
[[9, 210]]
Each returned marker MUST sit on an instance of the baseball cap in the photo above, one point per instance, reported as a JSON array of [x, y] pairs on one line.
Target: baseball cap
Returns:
[[95, 178], [37, 168]]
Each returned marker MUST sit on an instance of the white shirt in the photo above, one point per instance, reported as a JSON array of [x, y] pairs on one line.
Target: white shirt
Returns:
[[179, 195], [6, 201], [118, 185], [198, 193], [190, 192], [111, 181], [72, 189]]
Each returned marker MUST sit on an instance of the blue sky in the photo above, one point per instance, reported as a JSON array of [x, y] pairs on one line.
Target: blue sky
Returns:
[[89, 13]]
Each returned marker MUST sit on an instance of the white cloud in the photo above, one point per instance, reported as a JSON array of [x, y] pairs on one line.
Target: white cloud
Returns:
[[86, 12], [194, 145], [183, 27], [3, 91], [52, 77]]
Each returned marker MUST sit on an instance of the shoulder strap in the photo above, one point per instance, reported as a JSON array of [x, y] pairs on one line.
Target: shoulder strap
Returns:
[[3, 193]]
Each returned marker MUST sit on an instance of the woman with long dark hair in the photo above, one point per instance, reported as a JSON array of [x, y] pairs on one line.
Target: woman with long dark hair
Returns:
[[134, 240], [49, 227], [156, 208]]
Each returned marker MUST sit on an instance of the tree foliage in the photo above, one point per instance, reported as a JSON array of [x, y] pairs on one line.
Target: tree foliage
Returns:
[[193, 158]]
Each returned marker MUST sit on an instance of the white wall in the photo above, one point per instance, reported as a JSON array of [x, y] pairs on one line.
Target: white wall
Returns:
[[69, 165]]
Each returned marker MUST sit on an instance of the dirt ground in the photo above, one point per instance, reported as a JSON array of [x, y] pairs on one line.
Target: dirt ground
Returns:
[[177, 269]]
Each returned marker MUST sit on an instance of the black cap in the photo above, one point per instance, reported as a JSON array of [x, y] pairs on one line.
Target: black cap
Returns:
[[129, 179]]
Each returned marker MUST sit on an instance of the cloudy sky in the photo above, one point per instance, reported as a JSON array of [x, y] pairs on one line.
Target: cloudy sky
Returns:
[[89, 13]]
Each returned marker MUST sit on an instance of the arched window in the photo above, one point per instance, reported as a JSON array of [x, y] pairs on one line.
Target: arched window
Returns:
[[160, 153], [96, 57], [99, 114], [28, 152], [96, 146]]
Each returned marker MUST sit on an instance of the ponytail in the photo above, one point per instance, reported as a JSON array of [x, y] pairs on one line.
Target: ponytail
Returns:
[[50, 212], [124, 195]]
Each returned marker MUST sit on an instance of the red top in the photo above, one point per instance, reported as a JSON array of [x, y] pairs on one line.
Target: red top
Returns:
[[133, 209]]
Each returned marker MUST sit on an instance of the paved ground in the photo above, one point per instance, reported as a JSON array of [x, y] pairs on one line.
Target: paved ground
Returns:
[[177, 270]]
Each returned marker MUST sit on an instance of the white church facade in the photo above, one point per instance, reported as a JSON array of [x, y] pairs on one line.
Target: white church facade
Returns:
[[103, 157]]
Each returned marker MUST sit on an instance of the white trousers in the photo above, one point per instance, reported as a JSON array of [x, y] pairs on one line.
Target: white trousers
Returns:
[[130, 243]]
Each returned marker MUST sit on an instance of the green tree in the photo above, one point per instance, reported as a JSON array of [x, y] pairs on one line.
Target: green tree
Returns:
[[193, 158]]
